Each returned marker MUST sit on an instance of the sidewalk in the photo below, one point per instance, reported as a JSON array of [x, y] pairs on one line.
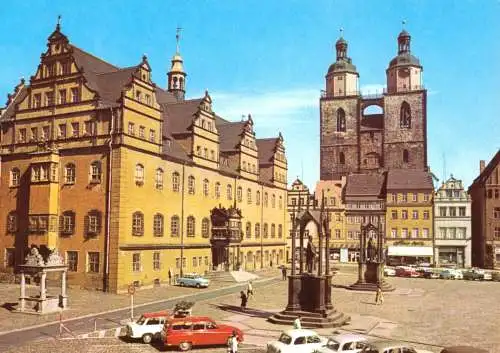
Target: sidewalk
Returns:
[[84, 302]]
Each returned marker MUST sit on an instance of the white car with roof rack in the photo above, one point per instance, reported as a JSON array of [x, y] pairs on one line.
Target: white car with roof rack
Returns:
[[343, 343], [296, 341]]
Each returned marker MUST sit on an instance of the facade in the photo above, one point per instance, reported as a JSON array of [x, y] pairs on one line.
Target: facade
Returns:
[[452, 225], [485, 212], [128, 180], [409, 221], [353, 141]]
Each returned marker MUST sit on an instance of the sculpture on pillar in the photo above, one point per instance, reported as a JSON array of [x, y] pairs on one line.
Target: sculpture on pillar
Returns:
[[310, 255], [370, 251]]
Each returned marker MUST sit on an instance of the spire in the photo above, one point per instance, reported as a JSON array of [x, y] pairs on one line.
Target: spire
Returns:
[[176, 75], [177, 39], [58, 26], [404, 39], [341, 46]]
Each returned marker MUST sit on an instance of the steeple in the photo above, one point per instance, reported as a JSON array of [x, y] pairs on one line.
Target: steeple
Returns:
[[404, 40], [341, 47], [176, 75]]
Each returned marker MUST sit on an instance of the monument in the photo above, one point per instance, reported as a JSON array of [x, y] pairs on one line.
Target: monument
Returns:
[[309, 293]]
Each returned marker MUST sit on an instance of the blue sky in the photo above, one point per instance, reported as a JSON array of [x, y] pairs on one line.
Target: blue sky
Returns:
[[268, 58]]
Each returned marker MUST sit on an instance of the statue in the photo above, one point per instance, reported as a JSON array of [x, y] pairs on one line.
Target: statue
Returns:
[[370, 250], [310, 255], [34, 258]]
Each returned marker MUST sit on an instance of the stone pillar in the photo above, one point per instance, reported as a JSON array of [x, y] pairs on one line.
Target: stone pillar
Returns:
[[22, 301], [64, 296], [43, 289], [328, 292]]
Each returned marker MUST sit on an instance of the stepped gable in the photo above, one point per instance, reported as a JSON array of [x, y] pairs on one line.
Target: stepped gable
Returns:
[[364, 185], [408, 179]]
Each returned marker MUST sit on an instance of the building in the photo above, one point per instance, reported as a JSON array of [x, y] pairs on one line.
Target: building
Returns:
[[129, 180], [409, 220], [452, 225], [485, 212], [355, 141]]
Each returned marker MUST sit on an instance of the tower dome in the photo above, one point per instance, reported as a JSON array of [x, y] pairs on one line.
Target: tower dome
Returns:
[[177, 75]]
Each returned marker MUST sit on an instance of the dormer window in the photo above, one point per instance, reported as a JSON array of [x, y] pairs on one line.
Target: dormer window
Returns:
[[49, 98], [66, 68], [34, 134], [138, 96], [37, 100], [62, 96], [75, 95]]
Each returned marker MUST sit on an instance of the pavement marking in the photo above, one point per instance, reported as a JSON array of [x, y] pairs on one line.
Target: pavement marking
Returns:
[[128, 307]]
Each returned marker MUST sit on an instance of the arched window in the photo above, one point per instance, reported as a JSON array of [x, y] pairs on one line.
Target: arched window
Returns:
[[175, 181], [341, 158], [340, 120], [174, 226], [217, 190], [206, 185], [406, 156], [405, 116], [191, 188], [190, 226], [205, 228], [248, 229], [257, 230], [240, 194], [158, 225], [15, 177], [249, 196], [280, 202], [12, 222], [266, 230], [159, 179], [257, 198], [95, 172], [280, 231], [273, 231], [138, 224], [273, 201], [229, 190], [265, 199], [69, 173], [139, 174]]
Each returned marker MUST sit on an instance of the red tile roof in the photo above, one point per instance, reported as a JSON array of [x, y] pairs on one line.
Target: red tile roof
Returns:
[[266, 148], [365, 185], [481, 178], [178, 117], [408, 179], [230, 135]]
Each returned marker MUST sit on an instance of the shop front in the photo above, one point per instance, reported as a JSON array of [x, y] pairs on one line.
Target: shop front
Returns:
[[409, 255], [453, 256]]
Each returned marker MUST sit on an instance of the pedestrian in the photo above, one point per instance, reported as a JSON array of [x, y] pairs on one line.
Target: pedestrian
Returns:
[[170, 276], [244, 299], [232, 343], [249, 289], [271, 263], [283, 272], [296, 323], [379, 297]]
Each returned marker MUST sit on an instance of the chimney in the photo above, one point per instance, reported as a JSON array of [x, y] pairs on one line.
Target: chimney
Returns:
[[482, 164]]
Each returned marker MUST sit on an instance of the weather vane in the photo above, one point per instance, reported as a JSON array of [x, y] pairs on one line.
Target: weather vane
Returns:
[[341, 32], [58, 21], [178, 37], [403, 23]]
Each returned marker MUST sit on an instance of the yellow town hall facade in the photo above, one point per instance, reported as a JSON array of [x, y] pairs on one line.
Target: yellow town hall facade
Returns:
[[127, 180]]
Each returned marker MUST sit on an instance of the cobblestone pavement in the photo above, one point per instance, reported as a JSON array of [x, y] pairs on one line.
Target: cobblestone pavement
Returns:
[[84, 302]]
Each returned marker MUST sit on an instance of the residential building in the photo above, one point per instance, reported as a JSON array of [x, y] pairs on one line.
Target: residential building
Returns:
[[131, 180], [452, 225], [485, 212]]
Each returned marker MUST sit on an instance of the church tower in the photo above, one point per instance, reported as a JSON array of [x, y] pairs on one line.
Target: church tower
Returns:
[[339, 112], [176, 75], [405, 110]]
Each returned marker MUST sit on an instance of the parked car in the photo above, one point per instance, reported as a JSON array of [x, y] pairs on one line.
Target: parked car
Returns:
[[188, 332], [296, 341], [476, 274], [495, 276], [428, 273], [193, 280], [407, 271], [449, 274], [148, 326], [390, 346], [347, 343], [389, 271], [463, 349]]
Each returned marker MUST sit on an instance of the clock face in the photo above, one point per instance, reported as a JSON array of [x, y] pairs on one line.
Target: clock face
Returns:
[[404, 72]]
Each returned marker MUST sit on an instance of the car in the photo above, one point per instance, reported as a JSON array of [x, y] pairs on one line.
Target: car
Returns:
[[389, 271], [495, 276], [191, 331], [296, 341], [463, 349], [347, 343], [389, 346], [447, 274], [477, 274], [406, 271], [428, 273], [148, 326], [193, 280]]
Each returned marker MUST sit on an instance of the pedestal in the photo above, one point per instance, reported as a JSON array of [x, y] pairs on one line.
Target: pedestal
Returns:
[[370, 276], [294, 289]]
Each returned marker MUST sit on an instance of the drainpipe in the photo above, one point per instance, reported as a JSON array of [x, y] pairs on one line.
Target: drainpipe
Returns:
[[108, 206], [261, 226], [182, 218]]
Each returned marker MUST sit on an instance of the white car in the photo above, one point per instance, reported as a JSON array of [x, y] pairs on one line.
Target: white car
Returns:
[[389, 271], [296, 341], [348, 343], [148, 326]]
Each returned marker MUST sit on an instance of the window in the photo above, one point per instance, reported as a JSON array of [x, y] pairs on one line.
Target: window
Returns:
[[139, 174], [257, 198], [404, 233], [190, 226], [405, 116], [15, 177], [404, 197], [35, 173], [217, 190], [266, 233], [212, 155], [95, 172], [137, 224], [198, 151], [45, 133], [75, 129], [341, 120], [49, 98], [87, 128], [12, 222], [93, 262], [229, 192], [341, 158], [453, 212], [205, 228], [93, 222], [280, 231], [34, 134], [66, 67], [142, 131], [394, 232], [136, 262], [62, 96], [191, 188], [249, 196], [37, 100], [69, 173], [257, 230], [138, 95], [239, 194], [152, 135], [415, 214], [394, 198], [156, 261], [10, 257], [51, 69], [67, 222], [406, 156], [158, 225], [174, 226], [415, 197], [195, 262], [248, 230], [496, 233], [265, 199], [205, 153], [426, 197], [22, 135], [131, 129], [62, 131], [461, 211], [442, 211], [426, 214], [273, 231], [72, 261], [273, 201], [394, 214], [415, 233], [206, 186], [159, 179], [425, 233], [75, 95], [404, 214], [175, 181]]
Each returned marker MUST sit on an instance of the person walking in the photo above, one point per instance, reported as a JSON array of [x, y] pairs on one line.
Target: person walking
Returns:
[[379, 296], [249, 289], [297, 324], [283, 272], [232, 343], [170, 276], [244, 300]]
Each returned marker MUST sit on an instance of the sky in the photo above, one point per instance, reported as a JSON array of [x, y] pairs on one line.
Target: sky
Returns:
[[269, 58]]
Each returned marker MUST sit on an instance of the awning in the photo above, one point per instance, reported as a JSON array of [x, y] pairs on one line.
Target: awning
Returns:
[[410, 251]]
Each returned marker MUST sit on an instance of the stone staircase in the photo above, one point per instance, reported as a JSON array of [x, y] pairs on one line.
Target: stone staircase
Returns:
[[331, 318], [231, 276]]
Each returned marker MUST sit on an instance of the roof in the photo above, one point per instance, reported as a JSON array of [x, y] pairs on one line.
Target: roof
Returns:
[[10, 109], [178, 117], [383, 344], [191, 319], [463, 349], [266, 149], [109, 85], [409, 179], [343, 66], [230, 134], [173, 149], [405, 59], [364, 184], [157, 314], [487, 170], [300, 332], [348, 337]]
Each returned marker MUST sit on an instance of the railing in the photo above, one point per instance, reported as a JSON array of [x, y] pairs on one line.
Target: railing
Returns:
[[325, 94]]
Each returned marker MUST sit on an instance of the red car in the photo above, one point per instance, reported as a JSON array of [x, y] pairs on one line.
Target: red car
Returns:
[[196, 331], [407, 272]]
